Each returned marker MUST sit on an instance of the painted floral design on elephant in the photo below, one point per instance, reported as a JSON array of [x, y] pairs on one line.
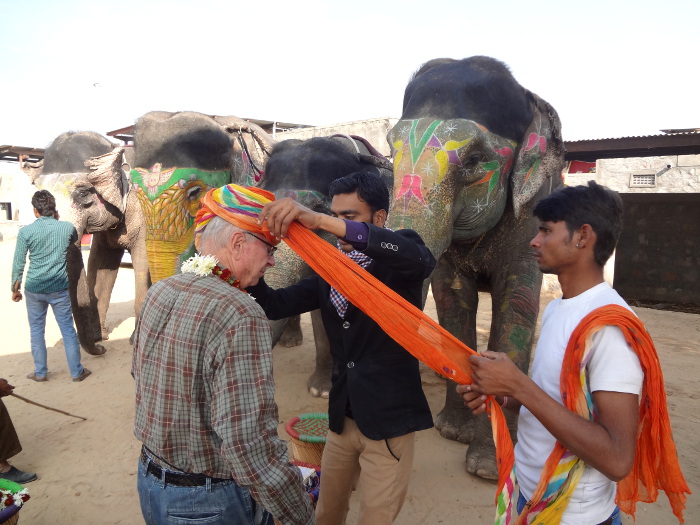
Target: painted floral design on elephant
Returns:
[[425, 157]]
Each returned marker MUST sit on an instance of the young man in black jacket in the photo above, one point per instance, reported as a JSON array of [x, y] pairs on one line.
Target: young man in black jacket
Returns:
[[376, 402]]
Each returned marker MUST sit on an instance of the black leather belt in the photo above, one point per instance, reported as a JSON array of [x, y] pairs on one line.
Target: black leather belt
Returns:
[[183, 479]]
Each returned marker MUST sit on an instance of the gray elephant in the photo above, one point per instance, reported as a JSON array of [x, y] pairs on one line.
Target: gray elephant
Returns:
[[178, 157], [473, 152], [84, 172], [304, 169]]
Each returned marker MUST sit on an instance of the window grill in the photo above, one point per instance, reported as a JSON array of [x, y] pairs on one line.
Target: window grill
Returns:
[[643, 181]]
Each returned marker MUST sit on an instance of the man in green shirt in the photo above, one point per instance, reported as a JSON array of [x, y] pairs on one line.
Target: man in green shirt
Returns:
[[46, 241]]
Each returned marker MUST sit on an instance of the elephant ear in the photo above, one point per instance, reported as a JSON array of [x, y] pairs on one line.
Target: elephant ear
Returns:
[[33, 169], [107, 176], [540, 156]]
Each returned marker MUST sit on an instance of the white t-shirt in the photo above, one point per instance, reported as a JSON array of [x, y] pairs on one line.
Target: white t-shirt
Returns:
[[612, 366]]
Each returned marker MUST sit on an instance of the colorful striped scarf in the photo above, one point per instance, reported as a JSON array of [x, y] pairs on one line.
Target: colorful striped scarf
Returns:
[[656, 461], [236, 204]]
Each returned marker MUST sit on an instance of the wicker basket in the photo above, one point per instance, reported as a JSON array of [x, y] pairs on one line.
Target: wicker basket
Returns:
[[308, 433], [10, 515]]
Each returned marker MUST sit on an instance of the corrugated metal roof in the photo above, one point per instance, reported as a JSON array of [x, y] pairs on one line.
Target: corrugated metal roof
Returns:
[[672, 142], [12, 153]]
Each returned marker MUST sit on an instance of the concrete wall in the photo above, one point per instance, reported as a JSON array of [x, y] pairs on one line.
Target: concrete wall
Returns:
[[674, 174], [658, 256], [374, 130], [17, 191]]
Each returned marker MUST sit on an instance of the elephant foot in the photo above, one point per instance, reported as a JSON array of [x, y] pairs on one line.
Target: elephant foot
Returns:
[[456, 424], [292, 336], [481, 454], [105, 336], [97, 350], [319, 384], [481, 458]]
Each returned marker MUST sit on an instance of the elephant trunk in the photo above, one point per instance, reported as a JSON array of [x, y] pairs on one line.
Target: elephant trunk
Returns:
[[166, 257]]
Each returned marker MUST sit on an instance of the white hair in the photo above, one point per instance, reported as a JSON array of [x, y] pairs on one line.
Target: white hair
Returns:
[[216, 236]]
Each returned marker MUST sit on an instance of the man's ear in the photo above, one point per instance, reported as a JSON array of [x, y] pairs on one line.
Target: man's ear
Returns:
[[235, 244], [379, 218], [586, 236]]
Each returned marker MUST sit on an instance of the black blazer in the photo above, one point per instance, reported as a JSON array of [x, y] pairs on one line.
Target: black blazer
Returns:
[[372, 374]]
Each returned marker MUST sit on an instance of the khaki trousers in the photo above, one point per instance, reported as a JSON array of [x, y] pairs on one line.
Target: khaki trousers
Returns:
[[379, 469]]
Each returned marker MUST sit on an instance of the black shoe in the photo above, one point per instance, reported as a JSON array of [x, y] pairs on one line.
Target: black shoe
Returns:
[[82, 375], [18, 476]]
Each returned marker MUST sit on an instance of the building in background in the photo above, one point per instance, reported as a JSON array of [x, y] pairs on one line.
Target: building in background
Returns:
[[658, 177]]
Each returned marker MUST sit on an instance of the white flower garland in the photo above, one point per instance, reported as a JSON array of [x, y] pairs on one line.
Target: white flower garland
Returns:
[[7, 498], [200, 265]]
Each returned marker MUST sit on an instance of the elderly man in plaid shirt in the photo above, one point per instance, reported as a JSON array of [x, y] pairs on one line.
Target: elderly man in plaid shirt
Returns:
[[205, 409]]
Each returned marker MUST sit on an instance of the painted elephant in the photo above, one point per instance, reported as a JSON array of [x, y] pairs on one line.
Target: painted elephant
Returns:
[[473, 152], [178, 157], [304, 169], [85, 174]]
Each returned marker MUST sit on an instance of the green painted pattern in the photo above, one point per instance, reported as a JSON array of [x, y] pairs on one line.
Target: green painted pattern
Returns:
[[418, 147], [156, 180]]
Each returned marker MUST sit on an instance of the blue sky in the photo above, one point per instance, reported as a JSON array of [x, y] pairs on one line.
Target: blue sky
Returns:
[[611, 68]]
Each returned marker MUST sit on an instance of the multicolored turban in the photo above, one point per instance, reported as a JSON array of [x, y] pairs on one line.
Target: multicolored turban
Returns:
[[236, 204]]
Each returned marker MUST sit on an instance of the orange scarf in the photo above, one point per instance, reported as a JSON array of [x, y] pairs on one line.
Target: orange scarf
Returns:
[[656, 461]]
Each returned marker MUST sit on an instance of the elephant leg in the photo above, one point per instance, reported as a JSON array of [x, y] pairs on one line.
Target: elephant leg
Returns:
[[103, 266], [292, 335], [83, 304], [481, 453], [515, 307], [319, 382], [456, 301]]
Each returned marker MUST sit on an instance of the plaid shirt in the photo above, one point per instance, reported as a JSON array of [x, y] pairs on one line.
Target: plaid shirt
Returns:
[[339, 300], [205, 393]]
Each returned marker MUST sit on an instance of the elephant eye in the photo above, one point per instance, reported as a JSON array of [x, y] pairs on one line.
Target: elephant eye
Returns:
[[473, 160], [194, 192]]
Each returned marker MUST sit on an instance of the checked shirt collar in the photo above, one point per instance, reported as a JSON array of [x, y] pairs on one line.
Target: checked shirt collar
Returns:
[[339, 300]]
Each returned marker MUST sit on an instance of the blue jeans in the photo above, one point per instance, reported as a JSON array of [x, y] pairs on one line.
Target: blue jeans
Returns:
[[37, 306], [615, 516], [223, 503]]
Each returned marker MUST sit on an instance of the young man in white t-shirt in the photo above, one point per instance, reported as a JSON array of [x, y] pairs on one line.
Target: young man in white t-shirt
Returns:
[[579, 228]]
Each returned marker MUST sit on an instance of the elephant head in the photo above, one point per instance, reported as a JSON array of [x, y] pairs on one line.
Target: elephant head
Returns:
[[178, 158], [304, 170], [471, 143], [93, 199]]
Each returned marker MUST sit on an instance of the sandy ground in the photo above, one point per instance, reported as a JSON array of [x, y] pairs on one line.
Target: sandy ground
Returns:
[[87, 468]]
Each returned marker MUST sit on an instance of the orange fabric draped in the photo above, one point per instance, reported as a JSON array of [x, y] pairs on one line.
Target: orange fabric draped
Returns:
[[656, 462], [409, 326]]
